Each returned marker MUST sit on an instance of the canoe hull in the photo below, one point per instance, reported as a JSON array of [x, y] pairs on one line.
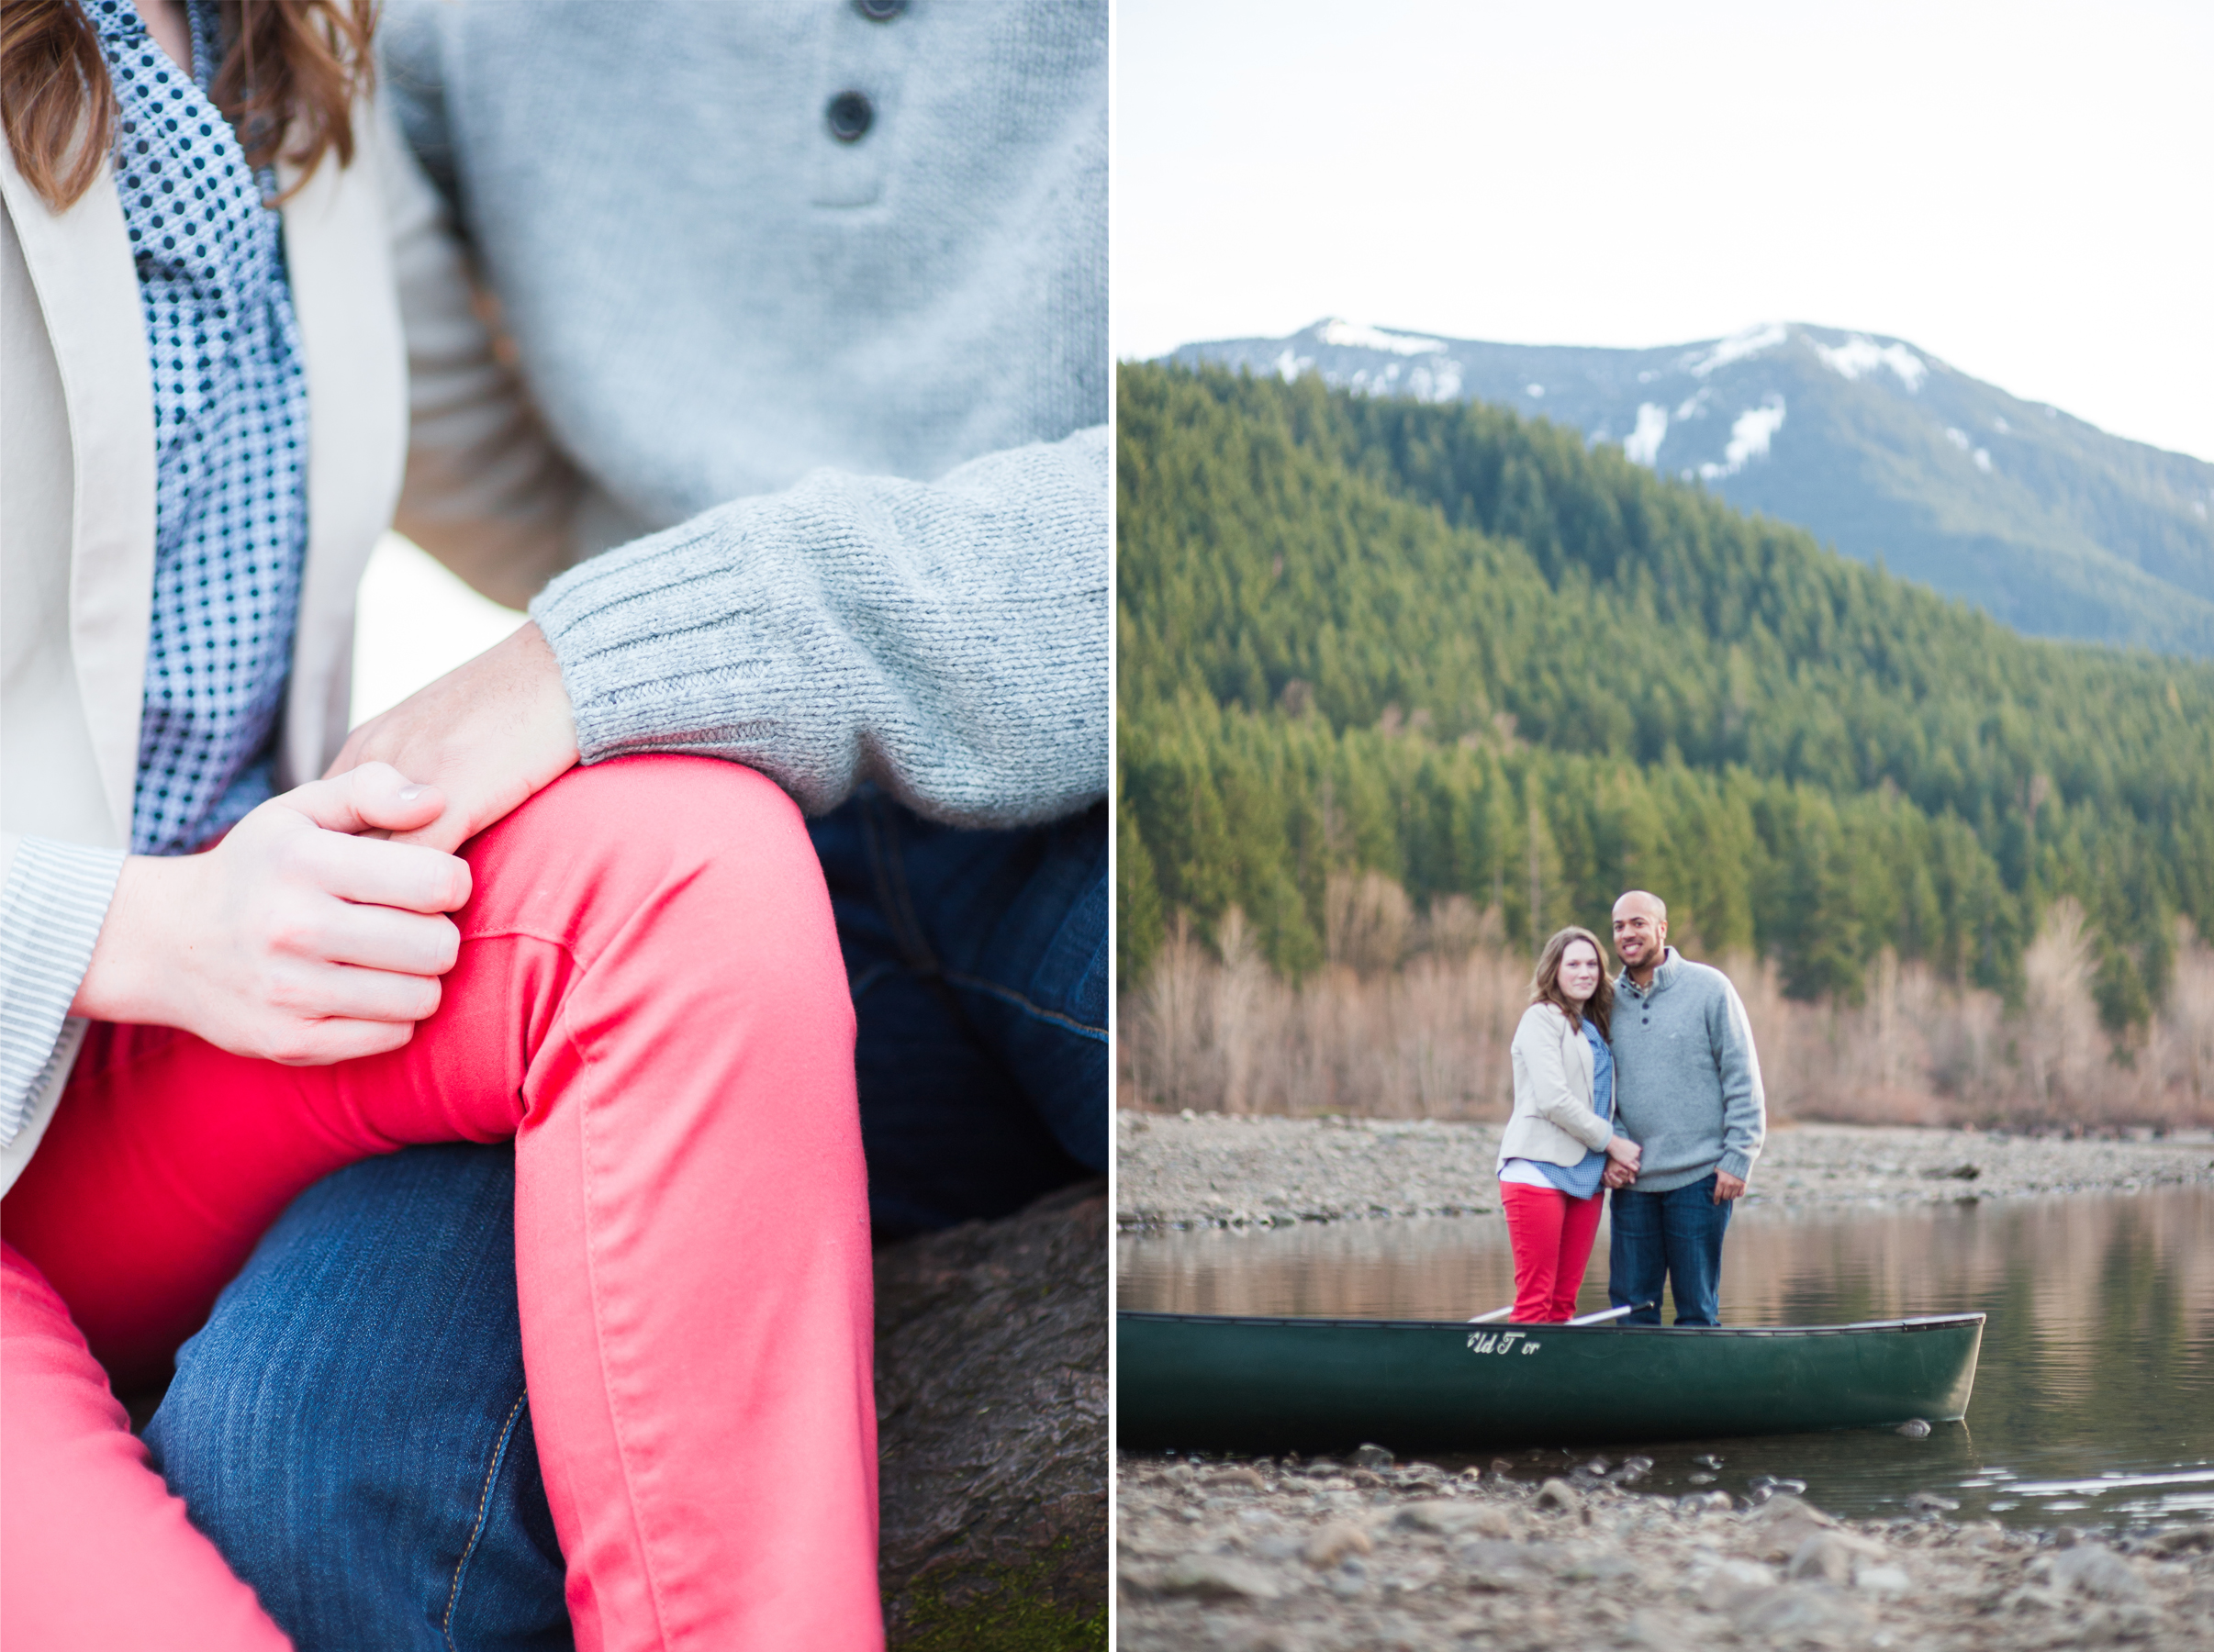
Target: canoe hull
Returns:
[[1208, 1382]]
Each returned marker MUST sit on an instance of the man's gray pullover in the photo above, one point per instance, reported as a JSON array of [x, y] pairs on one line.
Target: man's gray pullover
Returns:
[[1687, 1079], [839, 401]]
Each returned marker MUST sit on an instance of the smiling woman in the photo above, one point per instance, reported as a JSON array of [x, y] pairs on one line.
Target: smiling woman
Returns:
[[1561, 1140]]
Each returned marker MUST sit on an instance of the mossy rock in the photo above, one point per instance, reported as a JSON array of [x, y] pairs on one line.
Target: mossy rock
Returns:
[[991, 1399], [1017, 1610]]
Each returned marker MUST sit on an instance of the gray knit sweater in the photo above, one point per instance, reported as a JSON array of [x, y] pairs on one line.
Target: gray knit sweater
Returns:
[[1687, 1079], [853, 392]]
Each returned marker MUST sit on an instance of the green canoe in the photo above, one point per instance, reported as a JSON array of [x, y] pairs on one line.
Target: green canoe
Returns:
[[1211, 1381]]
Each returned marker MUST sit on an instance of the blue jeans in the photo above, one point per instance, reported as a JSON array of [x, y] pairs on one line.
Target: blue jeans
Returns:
[[1675, 1236], [979, 966], [351, 1427]]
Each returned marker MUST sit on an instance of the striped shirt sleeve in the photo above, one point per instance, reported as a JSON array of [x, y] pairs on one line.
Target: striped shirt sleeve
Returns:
[[51, 911]]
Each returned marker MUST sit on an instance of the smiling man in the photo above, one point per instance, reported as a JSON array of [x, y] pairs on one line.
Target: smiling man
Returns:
[[1687, 1085]]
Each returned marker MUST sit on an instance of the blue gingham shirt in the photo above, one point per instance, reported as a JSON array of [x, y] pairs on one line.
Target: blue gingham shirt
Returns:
[[230, 520], [230, 426]]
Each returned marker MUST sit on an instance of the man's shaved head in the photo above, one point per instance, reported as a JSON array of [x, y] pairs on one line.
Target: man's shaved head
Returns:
[[1643, 901]]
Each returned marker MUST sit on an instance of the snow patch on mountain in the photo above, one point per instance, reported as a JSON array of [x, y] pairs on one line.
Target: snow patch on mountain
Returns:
[[1436, 381], [1748, 439], [1354, 335], [1642, 445], [1860, 355], [1960, 439], [1738, 346]]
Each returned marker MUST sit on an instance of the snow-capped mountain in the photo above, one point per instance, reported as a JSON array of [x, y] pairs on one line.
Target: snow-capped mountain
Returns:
[[2043, 520]]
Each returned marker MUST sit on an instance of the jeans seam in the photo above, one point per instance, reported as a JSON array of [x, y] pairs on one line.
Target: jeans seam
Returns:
[[484, 1505], [993, 989], [877, 826]]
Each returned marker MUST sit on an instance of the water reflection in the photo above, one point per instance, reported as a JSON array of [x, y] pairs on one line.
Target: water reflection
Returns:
[[2094, 1399]]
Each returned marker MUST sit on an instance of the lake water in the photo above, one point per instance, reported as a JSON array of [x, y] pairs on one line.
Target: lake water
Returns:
[[2093, 1402]]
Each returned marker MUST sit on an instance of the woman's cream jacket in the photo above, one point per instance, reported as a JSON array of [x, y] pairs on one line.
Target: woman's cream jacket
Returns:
[[77, 497], [1553, 1122]]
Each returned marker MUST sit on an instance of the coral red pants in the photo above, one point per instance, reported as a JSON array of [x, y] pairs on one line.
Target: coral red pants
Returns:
[[650, 1000], [1551, 1234]]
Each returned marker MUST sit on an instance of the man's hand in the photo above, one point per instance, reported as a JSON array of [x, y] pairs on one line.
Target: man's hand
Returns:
[[487, 734], [1616, 1175], [296, 939], [1727, 1187]]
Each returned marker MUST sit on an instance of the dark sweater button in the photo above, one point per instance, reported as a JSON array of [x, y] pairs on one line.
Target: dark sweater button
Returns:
[[849, 114], [879, 11]]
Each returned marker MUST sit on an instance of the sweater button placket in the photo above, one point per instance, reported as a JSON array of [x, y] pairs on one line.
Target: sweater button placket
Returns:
[[849, 116]]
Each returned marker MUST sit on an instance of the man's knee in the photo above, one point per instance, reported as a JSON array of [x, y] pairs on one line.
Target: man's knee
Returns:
[[248, 1429], [337, 1427]]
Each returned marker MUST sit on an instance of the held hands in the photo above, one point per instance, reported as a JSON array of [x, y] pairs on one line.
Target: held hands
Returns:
[[487, 734], [296, 939], [1622, 1159]]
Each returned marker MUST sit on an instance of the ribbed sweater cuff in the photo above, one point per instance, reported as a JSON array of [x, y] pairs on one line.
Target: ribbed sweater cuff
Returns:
[[1736, 1164], [50, 912], [639, 678]]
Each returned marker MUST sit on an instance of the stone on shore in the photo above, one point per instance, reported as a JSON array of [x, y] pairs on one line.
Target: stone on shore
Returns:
[[1338, 1542], [1559, 1495], [1219, 1576], [2094, 1569], [1454, 1517], [1734, 1580]]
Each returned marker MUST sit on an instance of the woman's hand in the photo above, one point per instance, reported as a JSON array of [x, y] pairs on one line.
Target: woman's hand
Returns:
[[296, 939], [1623, 1156]]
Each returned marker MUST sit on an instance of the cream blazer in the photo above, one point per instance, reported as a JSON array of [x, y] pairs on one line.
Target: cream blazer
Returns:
[[77, 495], [1553, 1121]]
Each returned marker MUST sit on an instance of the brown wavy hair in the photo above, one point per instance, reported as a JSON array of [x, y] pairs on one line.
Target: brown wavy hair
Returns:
[[290, 73], [1545, 982]]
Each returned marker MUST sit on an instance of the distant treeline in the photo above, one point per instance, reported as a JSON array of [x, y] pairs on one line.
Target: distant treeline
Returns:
[[1460, 649]]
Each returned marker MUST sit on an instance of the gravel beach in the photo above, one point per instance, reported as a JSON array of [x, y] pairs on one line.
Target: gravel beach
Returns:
[[1223, 1170], [1269, 1556], [1280, 1555]]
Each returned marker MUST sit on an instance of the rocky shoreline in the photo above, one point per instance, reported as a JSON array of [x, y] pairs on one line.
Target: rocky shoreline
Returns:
[[1265, 1555], [1227, 1170]]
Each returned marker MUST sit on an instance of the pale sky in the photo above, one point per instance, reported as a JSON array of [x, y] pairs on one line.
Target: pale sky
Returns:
[[2024, 190]]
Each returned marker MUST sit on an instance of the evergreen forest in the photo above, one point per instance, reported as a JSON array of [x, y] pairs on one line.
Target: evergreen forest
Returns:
[[1461, 650]]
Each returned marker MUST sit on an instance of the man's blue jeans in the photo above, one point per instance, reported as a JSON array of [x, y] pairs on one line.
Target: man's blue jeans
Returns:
[[351, 1428], [1675, 1236]]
